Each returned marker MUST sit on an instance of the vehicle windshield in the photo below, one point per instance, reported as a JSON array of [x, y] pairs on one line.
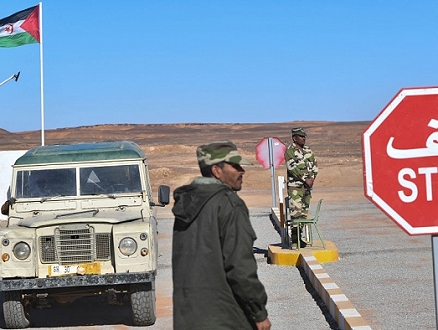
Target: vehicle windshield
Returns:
[[95, 180]]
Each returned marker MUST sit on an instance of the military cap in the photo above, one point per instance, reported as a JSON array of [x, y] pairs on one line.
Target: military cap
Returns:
[[298, 131], [219, 151]]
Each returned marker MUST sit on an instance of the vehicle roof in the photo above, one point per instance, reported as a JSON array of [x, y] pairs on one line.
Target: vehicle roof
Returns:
[[81, 152]]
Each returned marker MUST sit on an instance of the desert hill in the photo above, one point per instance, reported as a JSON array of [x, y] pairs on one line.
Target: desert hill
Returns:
[[171, 148]]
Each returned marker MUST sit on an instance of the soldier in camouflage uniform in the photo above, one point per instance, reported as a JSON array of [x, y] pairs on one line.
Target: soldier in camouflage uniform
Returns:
[[302, 170]]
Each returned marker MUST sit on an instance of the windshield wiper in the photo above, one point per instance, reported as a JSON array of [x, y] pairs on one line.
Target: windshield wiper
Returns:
[[95, 211], [43, 199]]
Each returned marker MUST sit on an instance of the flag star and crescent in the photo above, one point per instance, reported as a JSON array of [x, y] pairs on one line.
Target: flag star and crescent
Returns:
[[20, 28]]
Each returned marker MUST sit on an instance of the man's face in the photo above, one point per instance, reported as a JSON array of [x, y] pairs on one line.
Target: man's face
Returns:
[[230, 174], [299, 140]]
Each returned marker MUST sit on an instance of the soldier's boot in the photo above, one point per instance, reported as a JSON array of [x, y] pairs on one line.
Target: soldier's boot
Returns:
[[296, 234]]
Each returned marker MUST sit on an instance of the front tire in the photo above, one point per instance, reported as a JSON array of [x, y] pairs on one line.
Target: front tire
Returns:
[[13, 310], [143, 304]]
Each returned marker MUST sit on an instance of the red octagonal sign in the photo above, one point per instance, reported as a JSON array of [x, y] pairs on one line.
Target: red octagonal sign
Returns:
[[278, 150], [400, 154]]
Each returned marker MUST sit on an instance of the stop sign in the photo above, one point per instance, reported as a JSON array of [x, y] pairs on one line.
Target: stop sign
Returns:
[[400, 154], [278, 150]]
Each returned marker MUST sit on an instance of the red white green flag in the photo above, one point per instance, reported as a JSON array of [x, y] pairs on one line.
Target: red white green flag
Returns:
[[20, 28]]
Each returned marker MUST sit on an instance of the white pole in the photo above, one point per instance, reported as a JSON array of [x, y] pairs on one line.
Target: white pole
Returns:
[[280, 188], [41, 70], [434, 239]]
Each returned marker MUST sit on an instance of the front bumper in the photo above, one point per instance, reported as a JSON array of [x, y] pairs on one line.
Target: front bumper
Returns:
[[24, 284]]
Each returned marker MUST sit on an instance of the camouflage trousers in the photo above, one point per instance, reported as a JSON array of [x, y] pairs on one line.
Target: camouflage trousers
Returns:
[[299, 201]]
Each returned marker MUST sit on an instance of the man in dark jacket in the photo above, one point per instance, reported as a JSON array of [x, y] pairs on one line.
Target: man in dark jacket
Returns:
[[215, 282]]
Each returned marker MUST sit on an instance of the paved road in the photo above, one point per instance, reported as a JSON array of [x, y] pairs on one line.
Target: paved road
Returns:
[[385, 273]]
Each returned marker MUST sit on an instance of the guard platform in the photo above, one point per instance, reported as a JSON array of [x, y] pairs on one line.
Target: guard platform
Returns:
[[280, 255]]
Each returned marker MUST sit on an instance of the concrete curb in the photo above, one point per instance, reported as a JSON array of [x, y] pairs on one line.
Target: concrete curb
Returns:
[[340, 307]]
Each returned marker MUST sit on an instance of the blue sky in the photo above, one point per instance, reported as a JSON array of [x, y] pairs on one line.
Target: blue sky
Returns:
[[158, 61]]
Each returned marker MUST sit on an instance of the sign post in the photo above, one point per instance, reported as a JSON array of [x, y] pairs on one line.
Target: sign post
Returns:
[[270, 153], [400, 154]]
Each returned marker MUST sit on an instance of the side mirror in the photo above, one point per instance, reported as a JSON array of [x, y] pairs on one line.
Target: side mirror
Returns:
[[163, 196]]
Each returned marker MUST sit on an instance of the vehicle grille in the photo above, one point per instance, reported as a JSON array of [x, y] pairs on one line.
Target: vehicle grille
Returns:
[[72, 246]]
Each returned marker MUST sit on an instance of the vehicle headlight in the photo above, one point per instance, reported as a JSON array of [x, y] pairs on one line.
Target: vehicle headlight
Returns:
[[128, 246], [21, 250]]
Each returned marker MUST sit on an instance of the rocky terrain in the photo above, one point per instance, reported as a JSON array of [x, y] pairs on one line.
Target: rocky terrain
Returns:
[[171, 150]]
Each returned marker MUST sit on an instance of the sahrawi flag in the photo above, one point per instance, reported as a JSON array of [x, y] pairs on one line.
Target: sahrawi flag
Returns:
[[20, 28]]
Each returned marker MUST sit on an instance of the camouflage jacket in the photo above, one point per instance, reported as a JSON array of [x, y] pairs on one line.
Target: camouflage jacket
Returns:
[[301, 164]]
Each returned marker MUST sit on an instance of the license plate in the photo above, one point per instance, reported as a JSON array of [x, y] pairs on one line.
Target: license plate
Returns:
[[84, 269]]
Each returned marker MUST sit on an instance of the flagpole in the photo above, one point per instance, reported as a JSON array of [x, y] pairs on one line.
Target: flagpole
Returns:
[[41, 71]]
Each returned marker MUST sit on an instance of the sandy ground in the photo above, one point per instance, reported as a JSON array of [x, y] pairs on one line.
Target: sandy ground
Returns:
[[171, 149]]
